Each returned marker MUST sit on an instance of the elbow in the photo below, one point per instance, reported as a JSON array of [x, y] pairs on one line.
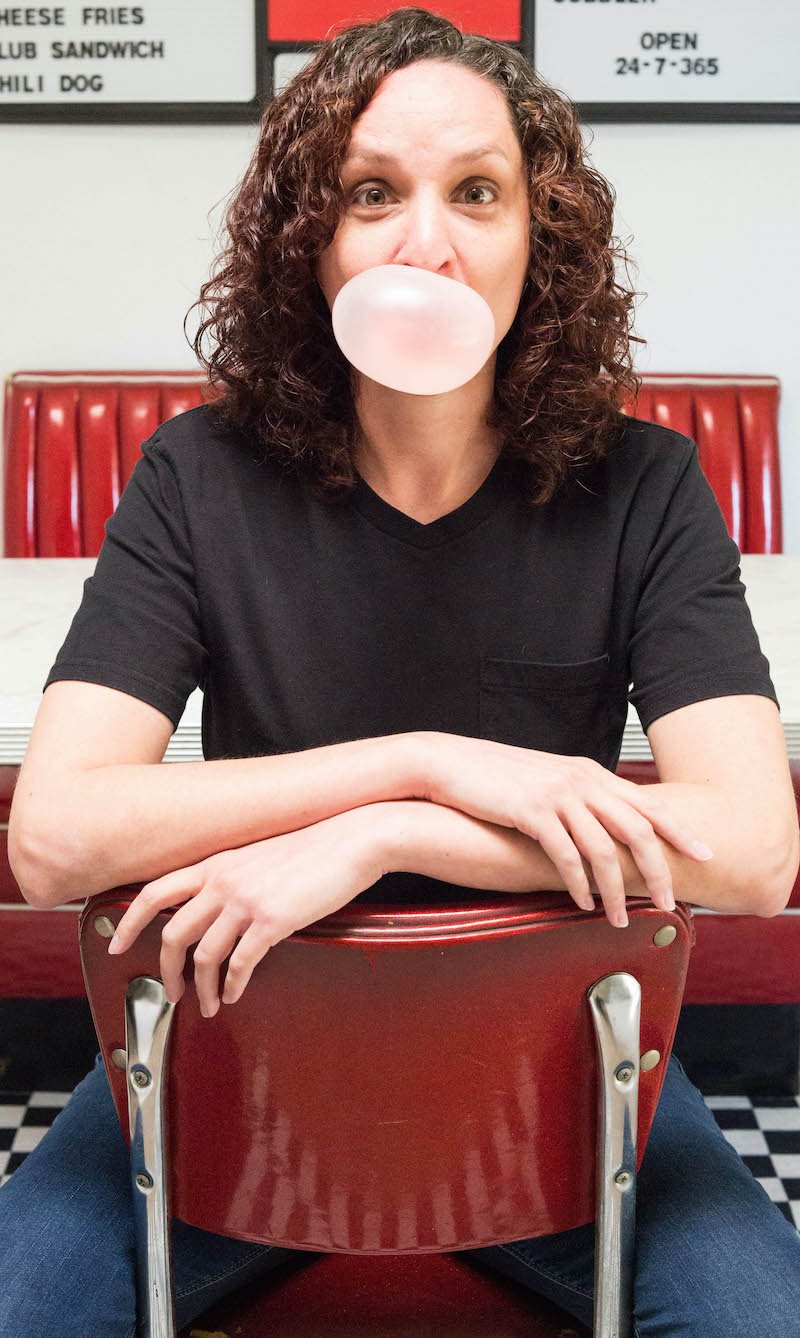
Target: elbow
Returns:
[[783, 885], [32, 873], [29, 879]]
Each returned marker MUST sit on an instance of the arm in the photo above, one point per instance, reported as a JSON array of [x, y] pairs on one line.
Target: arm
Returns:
[[440, 842], [186, 811], [726, 779], [96, 828]]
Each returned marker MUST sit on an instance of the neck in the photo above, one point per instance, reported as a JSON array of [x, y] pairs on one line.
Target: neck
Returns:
[[426, 454]]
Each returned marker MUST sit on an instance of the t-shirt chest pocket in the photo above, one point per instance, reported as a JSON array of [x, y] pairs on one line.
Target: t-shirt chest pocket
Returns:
[[555, 708]]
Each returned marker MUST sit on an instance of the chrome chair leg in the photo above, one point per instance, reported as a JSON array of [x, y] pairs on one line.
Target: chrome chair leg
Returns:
[[616, 1009], [148, 1019]]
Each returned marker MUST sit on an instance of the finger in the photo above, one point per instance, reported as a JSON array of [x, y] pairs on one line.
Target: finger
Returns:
[[642, 798], [216, 944], [558, 845], [186, 926], [635, 831], [594, 842], [170, 890], [252, 947]]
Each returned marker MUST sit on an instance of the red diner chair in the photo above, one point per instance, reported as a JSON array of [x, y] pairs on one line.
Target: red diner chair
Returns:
[[398, 1081]]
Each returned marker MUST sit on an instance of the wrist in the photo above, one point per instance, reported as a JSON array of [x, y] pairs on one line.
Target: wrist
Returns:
[[383, 833], [423, 753], [441, 842], [372, 833]]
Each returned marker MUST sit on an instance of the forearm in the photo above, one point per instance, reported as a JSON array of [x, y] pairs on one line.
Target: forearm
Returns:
[[118, 824], [419, 836], [444, 843]]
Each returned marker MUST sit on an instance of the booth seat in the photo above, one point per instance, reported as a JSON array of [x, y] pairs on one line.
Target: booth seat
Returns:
[[71, 440]]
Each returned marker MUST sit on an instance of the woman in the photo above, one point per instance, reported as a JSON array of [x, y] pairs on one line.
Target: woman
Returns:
[[468, 580]]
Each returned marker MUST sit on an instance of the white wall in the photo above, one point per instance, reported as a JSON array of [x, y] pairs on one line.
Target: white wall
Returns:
[[107, 232]]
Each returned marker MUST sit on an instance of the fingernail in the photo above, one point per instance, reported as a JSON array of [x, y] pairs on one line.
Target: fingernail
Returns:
[[621, 921], [701, 850], [114, 944]]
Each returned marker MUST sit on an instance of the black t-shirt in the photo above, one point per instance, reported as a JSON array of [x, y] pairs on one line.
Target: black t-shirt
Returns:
[[307, 623]]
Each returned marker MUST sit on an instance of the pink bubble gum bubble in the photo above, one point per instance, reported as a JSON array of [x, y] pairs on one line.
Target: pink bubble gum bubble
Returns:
[[412, 330]]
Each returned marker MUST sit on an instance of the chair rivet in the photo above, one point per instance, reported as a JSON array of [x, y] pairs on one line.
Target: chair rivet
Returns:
[[120, 1058], [623, 1179], [649, 1060], [665, 935], [104, 927], [624, 1071], [141, 1077], [144, 1181]]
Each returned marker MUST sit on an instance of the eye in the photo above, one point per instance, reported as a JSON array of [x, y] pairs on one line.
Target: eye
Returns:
[[470, 185]]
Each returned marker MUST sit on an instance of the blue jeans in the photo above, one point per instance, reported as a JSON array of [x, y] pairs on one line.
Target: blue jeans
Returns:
[[715, 1258]]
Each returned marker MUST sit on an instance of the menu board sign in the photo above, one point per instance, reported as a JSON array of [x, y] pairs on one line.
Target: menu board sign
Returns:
[[672, 59], [219, 60], [159, 60]]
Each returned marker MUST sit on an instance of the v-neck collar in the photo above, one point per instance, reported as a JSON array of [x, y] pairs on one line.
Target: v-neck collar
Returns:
[[447, 527]]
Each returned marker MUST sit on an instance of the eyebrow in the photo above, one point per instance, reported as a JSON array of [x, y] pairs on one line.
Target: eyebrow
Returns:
[[467, 155]]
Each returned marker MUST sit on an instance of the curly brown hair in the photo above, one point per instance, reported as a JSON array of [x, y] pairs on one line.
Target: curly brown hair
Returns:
[[564, 368]]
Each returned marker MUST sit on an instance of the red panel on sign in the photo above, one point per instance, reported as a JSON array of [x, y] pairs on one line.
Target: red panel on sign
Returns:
[[312, 20]]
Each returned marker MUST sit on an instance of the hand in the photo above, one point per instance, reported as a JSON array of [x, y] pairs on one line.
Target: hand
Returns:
[[257, 894], [569, 805]]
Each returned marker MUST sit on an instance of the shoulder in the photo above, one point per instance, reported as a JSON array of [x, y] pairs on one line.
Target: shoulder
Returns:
[[649, 454], [640, 469], [199, 452], [185, 435], [639, 472]]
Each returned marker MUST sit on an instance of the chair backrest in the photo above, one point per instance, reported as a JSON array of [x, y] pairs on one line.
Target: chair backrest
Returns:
[[71, 440], [397, 1078]]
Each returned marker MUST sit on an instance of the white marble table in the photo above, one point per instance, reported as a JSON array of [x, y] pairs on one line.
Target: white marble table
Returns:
[[38, 597]]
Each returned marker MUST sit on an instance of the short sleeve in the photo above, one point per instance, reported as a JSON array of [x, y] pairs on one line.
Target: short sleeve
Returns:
[[693, 636], [137, 627]]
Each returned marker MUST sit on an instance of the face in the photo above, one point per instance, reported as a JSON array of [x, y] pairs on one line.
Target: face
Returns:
[[434, 177]]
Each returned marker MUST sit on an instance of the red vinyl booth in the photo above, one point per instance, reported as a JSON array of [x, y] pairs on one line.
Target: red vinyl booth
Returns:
[[356, 1103], [71, 440]]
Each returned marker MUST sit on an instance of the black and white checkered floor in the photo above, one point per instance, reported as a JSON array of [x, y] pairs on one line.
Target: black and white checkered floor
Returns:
[[765, 1131]]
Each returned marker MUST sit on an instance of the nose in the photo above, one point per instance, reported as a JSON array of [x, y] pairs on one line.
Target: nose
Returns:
[[427, 238]]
